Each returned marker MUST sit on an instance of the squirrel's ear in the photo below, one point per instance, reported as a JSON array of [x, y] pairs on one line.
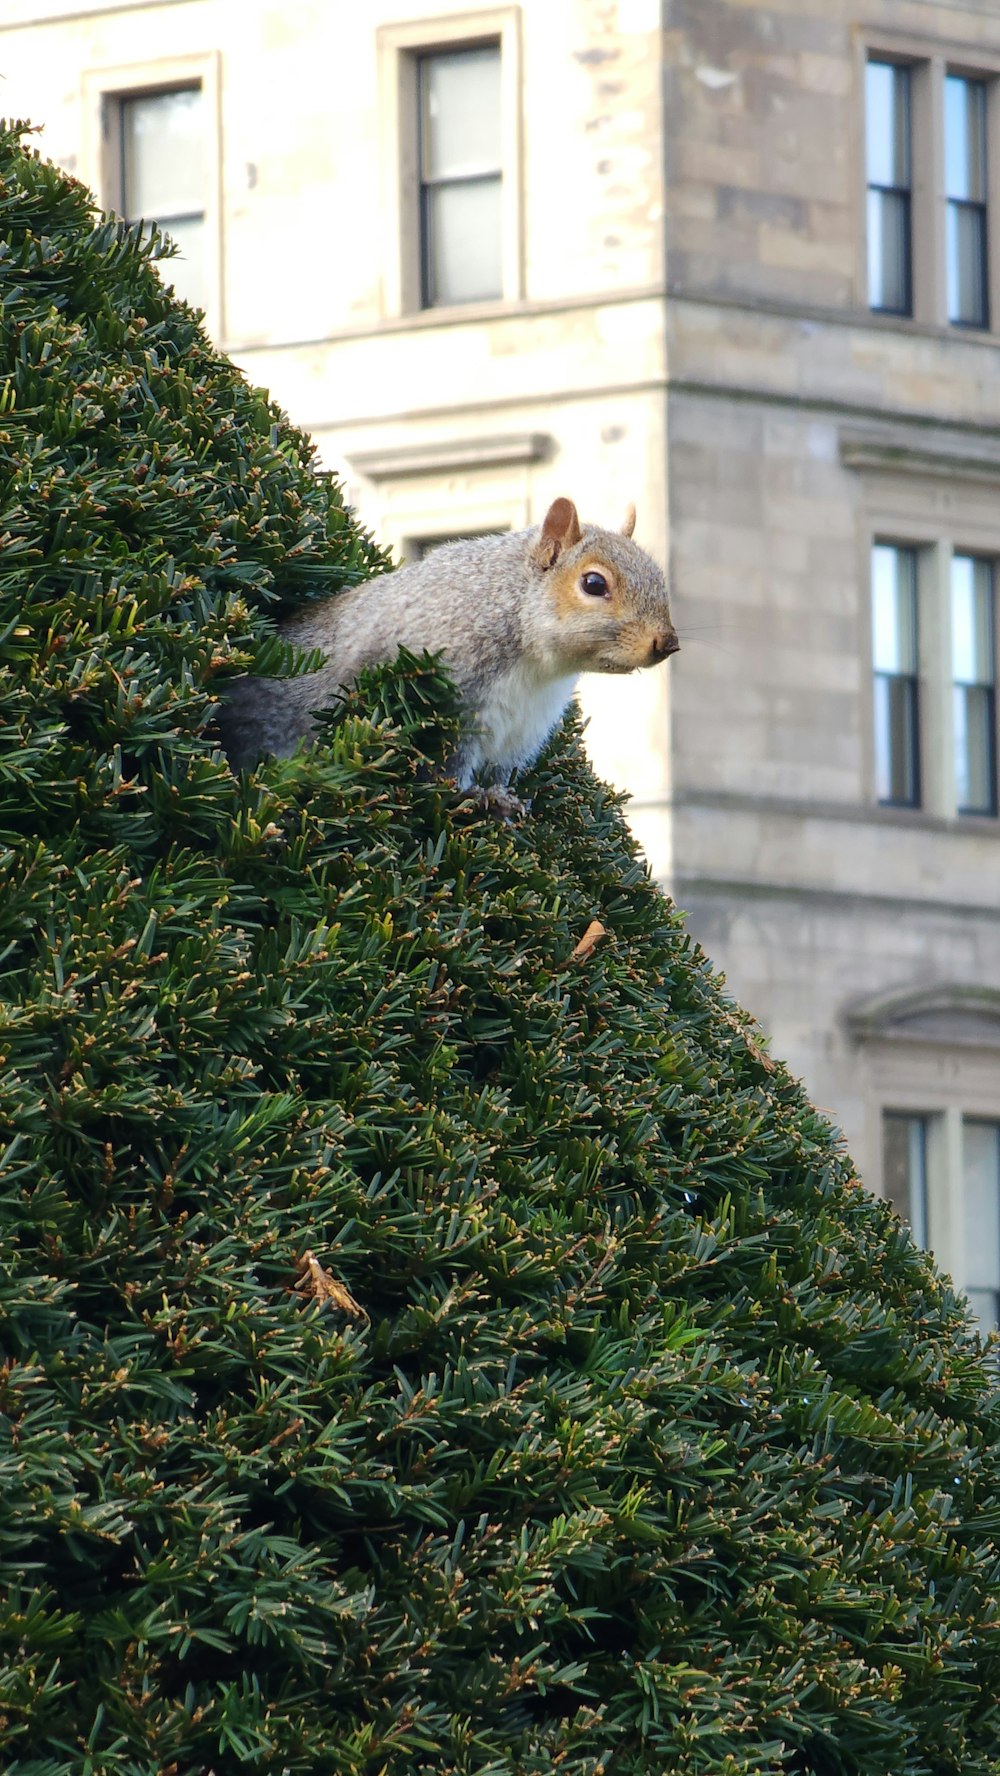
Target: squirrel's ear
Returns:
[[560, 530], [629, 524]]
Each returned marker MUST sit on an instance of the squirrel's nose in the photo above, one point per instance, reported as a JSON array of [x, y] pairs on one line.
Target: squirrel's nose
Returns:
[[662, 645]]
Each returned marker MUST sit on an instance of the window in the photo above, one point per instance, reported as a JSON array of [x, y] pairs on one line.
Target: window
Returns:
[[981, 1186], [965, 194], [887, 141], [895, 660], [450, 93], [460, 175], [915, 1164], [151, 146], [935, 738], [162, 176], [928, 231], [930, 1056], [904, 1169], [974, 684]]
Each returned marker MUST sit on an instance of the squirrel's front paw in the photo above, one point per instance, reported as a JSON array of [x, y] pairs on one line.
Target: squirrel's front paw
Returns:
[[496, 799]]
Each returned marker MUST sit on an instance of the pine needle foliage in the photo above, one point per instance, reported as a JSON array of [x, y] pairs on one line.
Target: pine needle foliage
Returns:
[[428, 1345]]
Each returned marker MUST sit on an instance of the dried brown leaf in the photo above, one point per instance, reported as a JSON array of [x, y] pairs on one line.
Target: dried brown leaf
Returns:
[[589, 941], [321, 1285]]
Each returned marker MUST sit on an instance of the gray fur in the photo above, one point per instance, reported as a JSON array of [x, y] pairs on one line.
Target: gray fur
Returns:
[[485, 605]]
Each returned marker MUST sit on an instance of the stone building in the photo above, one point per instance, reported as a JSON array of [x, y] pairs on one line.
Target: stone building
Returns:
[[740, 263], [833, 416]]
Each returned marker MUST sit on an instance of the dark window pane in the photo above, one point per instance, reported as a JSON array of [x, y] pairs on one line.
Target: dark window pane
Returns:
[[887, 149], [889, 251], [904, 1170], [965, 139], [981, 1181], [965, 250], [887, 124], [973, 670], [897, 776], [965, 189], [975, 749]]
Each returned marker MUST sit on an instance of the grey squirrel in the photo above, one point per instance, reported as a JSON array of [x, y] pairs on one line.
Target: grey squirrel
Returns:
[[516, 618]]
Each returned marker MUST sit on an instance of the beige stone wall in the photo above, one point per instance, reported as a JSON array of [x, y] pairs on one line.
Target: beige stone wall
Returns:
[[800, 428], [307, 227], [764, 109], [304, 133]]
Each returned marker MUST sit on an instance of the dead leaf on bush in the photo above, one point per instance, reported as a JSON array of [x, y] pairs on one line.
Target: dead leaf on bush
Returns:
[[320, 1285], [589, 941]]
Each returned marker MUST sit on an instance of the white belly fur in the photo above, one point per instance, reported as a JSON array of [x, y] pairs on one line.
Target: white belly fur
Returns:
[[517, 717]]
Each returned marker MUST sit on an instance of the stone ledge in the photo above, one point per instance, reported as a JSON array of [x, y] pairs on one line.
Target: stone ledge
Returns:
[[453, 453], [894, 449], [947, 1012]]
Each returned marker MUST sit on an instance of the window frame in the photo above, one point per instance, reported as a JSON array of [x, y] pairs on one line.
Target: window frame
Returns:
[[978, 207], [939, 517], [913, 680], [945, 1115], [431, 183], [431, 511], [929, 1051], [104, 91], [903, 192], [918, 1222], [399, 48], [930, 61], [989, 686], [969, 1120], [116, 112]]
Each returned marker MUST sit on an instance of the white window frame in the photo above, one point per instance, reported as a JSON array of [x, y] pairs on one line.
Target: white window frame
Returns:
[[929, 61], [399, 48], [104, 89]]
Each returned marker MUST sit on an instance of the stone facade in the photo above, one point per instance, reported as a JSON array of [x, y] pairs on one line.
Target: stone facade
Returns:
[[443, 420], [683, 323], [801, 428]]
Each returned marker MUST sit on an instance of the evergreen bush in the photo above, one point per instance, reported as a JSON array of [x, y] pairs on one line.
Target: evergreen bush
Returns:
[[429, 1344]]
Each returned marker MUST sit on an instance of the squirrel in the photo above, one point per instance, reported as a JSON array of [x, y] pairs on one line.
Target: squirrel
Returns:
[[516, 618]]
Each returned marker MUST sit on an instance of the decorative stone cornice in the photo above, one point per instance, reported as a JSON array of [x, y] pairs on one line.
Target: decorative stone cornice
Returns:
[[450, 454], [904, 450], [946, 1014]]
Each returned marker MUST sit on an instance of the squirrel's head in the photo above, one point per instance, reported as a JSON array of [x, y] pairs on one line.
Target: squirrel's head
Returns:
[[608, 595]]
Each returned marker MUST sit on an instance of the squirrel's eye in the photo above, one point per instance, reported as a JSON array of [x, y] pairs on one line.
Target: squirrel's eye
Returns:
[[595, 584]]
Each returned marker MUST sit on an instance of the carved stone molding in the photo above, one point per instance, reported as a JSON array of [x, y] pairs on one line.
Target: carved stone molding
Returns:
[[901, 449], [947, 1014], [451, 454]]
